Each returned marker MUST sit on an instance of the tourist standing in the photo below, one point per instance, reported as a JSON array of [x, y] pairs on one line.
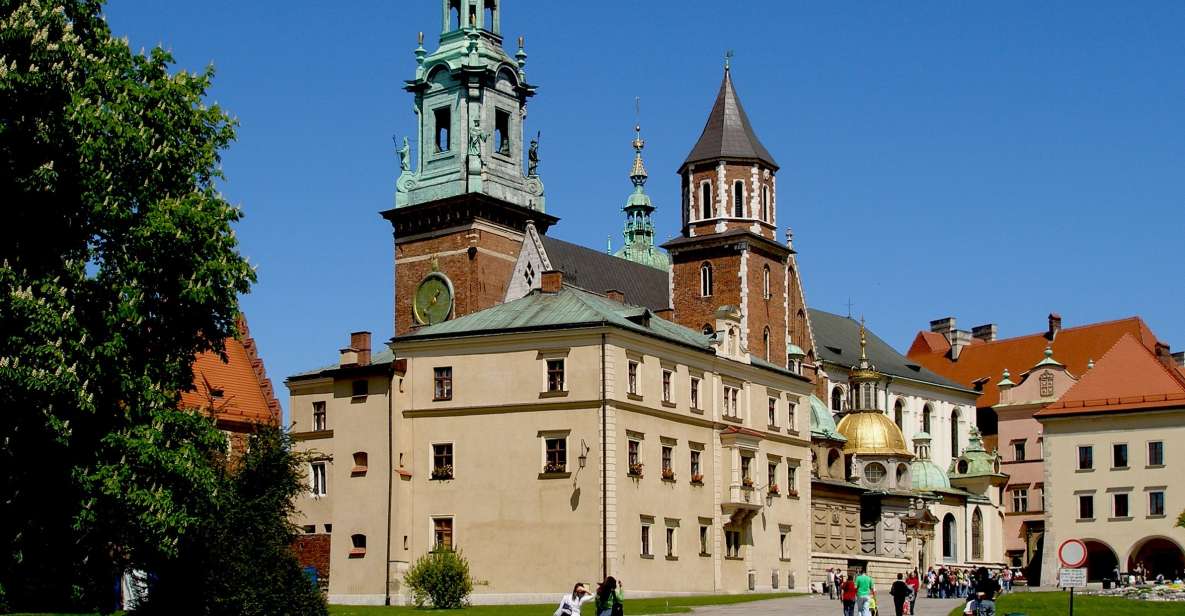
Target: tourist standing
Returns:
[[914, 583], [847, 595], [570, 604], [831, 578], [985, 593], [900, 592], [863, 593], [610, 598]]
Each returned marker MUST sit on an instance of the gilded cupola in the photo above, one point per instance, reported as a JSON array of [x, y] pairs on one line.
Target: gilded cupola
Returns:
[[867, 429]]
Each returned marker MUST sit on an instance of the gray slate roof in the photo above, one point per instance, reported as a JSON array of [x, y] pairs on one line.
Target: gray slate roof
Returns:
[[378, 357], [837, 340], [599, 272], [728, 134]]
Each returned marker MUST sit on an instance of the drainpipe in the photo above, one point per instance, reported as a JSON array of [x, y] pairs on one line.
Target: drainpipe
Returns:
[[390, 479], [604, 470]]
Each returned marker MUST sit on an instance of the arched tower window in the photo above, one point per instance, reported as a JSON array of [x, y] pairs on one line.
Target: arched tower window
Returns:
[[705, 200], [765, 342], [926, 413], [491, 16], [950, 538], [705, 280], [954, 433], [977, 535], [738, 199], [765, 203], [837, 399], [765, 282], [899, 414], [454, 14]]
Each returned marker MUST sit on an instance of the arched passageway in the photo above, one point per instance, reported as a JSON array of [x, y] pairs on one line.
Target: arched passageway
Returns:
[[1159, 556], [1100, 561]]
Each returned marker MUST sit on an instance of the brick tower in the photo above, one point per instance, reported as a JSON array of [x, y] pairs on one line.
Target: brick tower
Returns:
[[462, 206], [729, 253]]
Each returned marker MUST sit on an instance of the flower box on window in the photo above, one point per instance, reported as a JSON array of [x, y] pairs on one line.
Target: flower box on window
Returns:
[[747, 483], [555, 467], [668, 474], [773, 489], [443, 472], [792, 492], [636, 469], [697, 479]]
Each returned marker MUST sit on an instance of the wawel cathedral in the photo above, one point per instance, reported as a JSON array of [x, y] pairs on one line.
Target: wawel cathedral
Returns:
[[674, 415]]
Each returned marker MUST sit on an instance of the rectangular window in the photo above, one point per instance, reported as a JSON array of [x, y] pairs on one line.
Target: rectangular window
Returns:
[[442, 533], [359, 388], [730, 402], [1156, 503], [443, 379], [667, 471], [791, 479], [443, 129], [695, 468], [502, 131], [1040, 497], [1119, 455], [1120, 501], [1020, 499], [1085, 457], [1018, 451], [635, 462], [670, 542], [646, 540], [746, 467], [773, 412], [732, 541], [632, 375], [317, 479], [782, 541], [694, 393], [320, 420], [1156, 453], [556, 451], [666, 385], [790, 406], [772, 476], [705, 540], [555, 375], [1085, 507], [442, 461]]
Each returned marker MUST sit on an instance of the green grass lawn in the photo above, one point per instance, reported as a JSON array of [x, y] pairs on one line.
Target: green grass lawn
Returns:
[[1058, 604], [671, 605]]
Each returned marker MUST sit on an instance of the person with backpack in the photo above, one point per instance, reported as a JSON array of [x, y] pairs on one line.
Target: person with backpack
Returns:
[[570, 604], [610, 598]]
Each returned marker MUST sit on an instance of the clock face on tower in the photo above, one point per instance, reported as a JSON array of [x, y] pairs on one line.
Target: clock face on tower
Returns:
[[433, 302]]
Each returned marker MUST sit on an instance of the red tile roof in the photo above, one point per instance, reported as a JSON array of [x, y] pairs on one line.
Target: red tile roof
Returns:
[[246, 396], [1073, 346], [1128, 377]]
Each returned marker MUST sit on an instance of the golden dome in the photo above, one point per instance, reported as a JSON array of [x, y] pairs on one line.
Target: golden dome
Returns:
[[872, 433]]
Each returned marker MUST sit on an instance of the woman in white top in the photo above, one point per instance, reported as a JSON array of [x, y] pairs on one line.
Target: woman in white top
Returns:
[[570, 604]]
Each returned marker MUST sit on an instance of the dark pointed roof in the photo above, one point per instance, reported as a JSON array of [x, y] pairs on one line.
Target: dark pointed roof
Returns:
[[728, 134]]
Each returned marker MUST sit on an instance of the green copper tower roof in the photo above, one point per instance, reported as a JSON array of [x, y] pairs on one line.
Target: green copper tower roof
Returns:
[[925, 476], [822, 423], [975, 461], [639, 226]]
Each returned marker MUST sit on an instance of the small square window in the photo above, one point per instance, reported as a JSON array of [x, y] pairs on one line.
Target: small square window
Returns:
[[359, 389], [442, 383], [442, 533], [1156, 503], [1121, 505], [357, 546], [1085, 457], [555, 375], [1119, 455], [442, 461], [556, 452], [1156, 453]]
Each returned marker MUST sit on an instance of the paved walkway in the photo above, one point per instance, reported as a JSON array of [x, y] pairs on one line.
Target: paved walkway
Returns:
[[815, 605]]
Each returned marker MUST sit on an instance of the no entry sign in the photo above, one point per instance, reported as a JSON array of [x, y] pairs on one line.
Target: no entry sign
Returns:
[[1072, 553]]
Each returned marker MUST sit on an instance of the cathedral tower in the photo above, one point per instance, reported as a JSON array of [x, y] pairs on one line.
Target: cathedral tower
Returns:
[[465, 195], [729, 253], [639, 226]]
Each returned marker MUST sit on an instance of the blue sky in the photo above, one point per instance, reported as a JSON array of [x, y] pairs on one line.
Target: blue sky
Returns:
[[990, 161]]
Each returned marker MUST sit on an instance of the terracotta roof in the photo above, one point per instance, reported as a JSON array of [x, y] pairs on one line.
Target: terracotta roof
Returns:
[[1072, 346], [1128, 377], [238, 389]]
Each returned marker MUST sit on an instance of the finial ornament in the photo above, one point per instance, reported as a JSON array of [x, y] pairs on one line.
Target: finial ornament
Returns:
[[863, 339], [728, 59]]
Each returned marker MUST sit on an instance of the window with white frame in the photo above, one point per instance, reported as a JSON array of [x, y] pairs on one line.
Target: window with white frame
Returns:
[[705, 280], [645, 539], [555, 375], [632, 378], [317, 479], [442, 533], [1020, 499], [732, 543], [773, 411], [672, 541], [730, 408], [666, 385], [1156, 503], [320, 419], [790, 408], [792, 479], [694, 392], [1120, 502], [634, 457]]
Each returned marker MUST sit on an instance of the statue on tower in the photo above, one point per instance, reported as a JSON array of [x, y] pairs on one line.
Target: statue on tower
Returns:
[[405, 156], [533, 157]]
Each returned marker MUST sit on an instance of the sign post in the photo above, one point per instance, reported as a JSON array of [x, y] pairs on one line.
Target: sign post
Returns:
[[1072, 555]]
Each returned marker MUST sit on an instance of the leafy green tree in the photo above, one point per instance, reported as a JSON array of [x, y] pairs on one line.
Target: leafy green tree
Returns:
[[118, 265], [1181, 519], [441, 579]]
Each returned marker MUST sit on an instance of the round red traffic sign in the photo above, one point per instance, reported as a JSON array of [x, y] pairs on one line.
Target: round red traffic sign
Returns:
[[1072, 553]]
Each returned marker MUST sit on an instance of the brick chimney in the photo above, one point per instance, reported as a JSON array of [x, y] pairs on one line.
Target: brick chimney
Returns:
[[959, 339], [943, 326], [1179, 359], [360, 342], [986, 333], [1055, 325], [1165, 356], [615, 295], [552, 281]]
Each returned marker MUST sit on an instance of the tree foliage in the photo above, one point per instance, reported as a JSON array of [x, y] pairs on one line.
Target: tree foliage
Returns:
[[118, 264], [441, 579]]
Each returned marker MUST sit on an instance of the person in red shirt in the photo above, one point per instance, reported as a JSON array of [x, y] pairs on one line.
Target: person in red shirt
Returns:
[[847, 595]]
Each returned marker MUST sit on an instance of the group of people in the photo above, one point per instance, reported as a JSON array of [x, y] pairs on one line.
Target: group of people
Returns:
[[1140, 576], [610, 599], [858, 594]]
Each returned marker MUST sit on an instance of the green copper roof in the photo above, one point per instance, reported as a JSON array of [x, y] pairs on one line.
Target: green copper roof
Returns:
[[924, 474], [639, 226], [822, 423], [570, 307], [1049, 360], [975, 460], [795, 351]]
